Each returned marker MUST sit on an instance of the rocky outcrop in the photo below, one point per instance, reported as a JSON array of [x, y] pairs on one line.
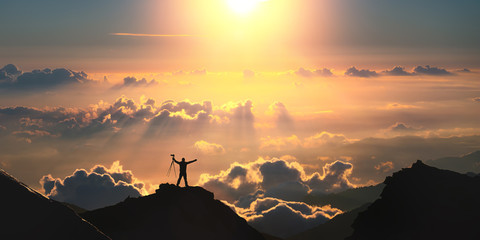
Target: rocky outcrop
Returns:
[[423, 202], [172, 213]]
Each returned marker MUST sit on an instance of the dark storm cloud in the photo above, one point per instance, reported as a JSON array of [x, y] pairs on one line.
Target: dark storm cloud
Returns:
[[325, 72], [364, 73], [133, 82], [476, 99], [435, 71], [94, 189], [397, 71], [12, 78]]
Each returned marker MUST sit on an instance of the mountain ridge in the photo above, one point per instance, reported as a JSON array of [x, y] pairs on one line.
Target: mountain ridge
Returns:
[[27, 214]]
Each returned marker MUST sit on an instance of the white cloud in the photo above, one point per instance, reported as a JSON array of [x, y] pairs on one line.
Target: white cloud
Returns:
[[284, 218], [207, 148], [276, 178], [99, 187]]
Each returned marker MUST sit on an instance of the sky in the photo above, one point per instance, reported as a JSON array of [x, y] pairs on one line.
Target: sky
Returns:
[[277, 99]]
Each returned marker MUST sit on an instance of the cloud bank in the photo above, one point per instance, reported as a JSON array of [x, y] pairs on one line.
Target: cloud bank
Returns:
[[133, 82], [12, 78], [235, 118], [267, 193], [99, 187], [435, 71], [325, 72], [284, 218], [363, 73], [276, 178]]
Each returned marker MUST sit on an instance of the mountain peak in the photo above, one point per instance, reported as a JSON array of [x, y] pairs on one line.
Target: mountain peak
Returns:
[[171, 189], [418, 163], [423, 202], [172, 212]]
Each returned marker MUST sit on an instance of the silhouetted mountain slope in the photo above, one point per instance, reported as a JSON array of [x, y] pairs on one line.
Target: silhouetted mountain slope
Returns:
[[349, 199], [338, 228], [423, 202], [467, 163], [27, 214], [74, 207], [270, 237], [172, 213]]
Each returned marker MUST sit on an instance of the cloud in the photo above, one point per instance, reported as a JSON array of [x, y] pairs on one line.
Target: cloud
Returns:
[[317, 140], [334, 178], [248, 73], [401, 127], [9, 73], [151, 35], [384, 167], [198, 72], [326, 138], [12, 78], [465, 70], [396, 106], [277, 178], [284, 218], [279, 142], [325, 72], [476, 99], [284, 120], [99, 187], [397, 71], [207, 148], [364, 73], [194, 72], [235, 119], [435, 71], [133, 82]]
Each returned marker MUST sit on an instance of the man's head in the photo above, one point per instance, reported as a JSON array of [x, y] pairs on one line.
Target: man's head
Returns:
[[183, 159]]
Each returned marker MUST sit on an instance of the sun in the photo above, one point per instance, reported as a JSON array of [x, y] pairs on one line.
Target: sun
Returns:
[[243, 6]]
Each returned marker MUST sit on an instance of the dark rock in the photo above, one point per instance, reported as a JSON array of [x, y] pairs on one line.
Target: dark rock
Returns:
[[172, 213], [349, 199], [27, 214], [423, 202]]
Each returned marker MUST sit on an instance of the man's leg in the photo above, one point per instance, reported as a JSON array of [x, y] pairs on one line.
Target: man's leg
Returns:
[[179, 178], [186, 183]]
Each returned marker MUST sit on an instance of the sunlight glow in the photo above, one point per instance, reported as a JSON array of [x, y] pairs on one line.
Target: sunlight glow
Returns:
[[243, 6]]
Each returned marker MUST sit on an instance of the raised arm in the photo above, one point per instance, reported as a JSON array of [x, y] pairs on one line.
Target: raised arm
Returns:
[[192, 161], [173, 158]]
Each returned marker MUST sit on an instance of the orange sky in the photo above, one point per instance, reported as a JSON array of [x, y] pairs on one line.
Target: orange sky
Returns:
[[366, 86]]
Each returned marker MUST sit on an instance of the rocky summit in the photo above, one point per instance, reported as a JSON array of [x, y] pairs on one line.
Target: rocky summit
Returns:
[[172, 213]]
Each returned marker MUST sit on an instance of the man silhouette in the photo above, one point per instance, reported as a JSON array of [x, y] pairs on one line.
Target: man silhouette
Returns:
[[183, 169]]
